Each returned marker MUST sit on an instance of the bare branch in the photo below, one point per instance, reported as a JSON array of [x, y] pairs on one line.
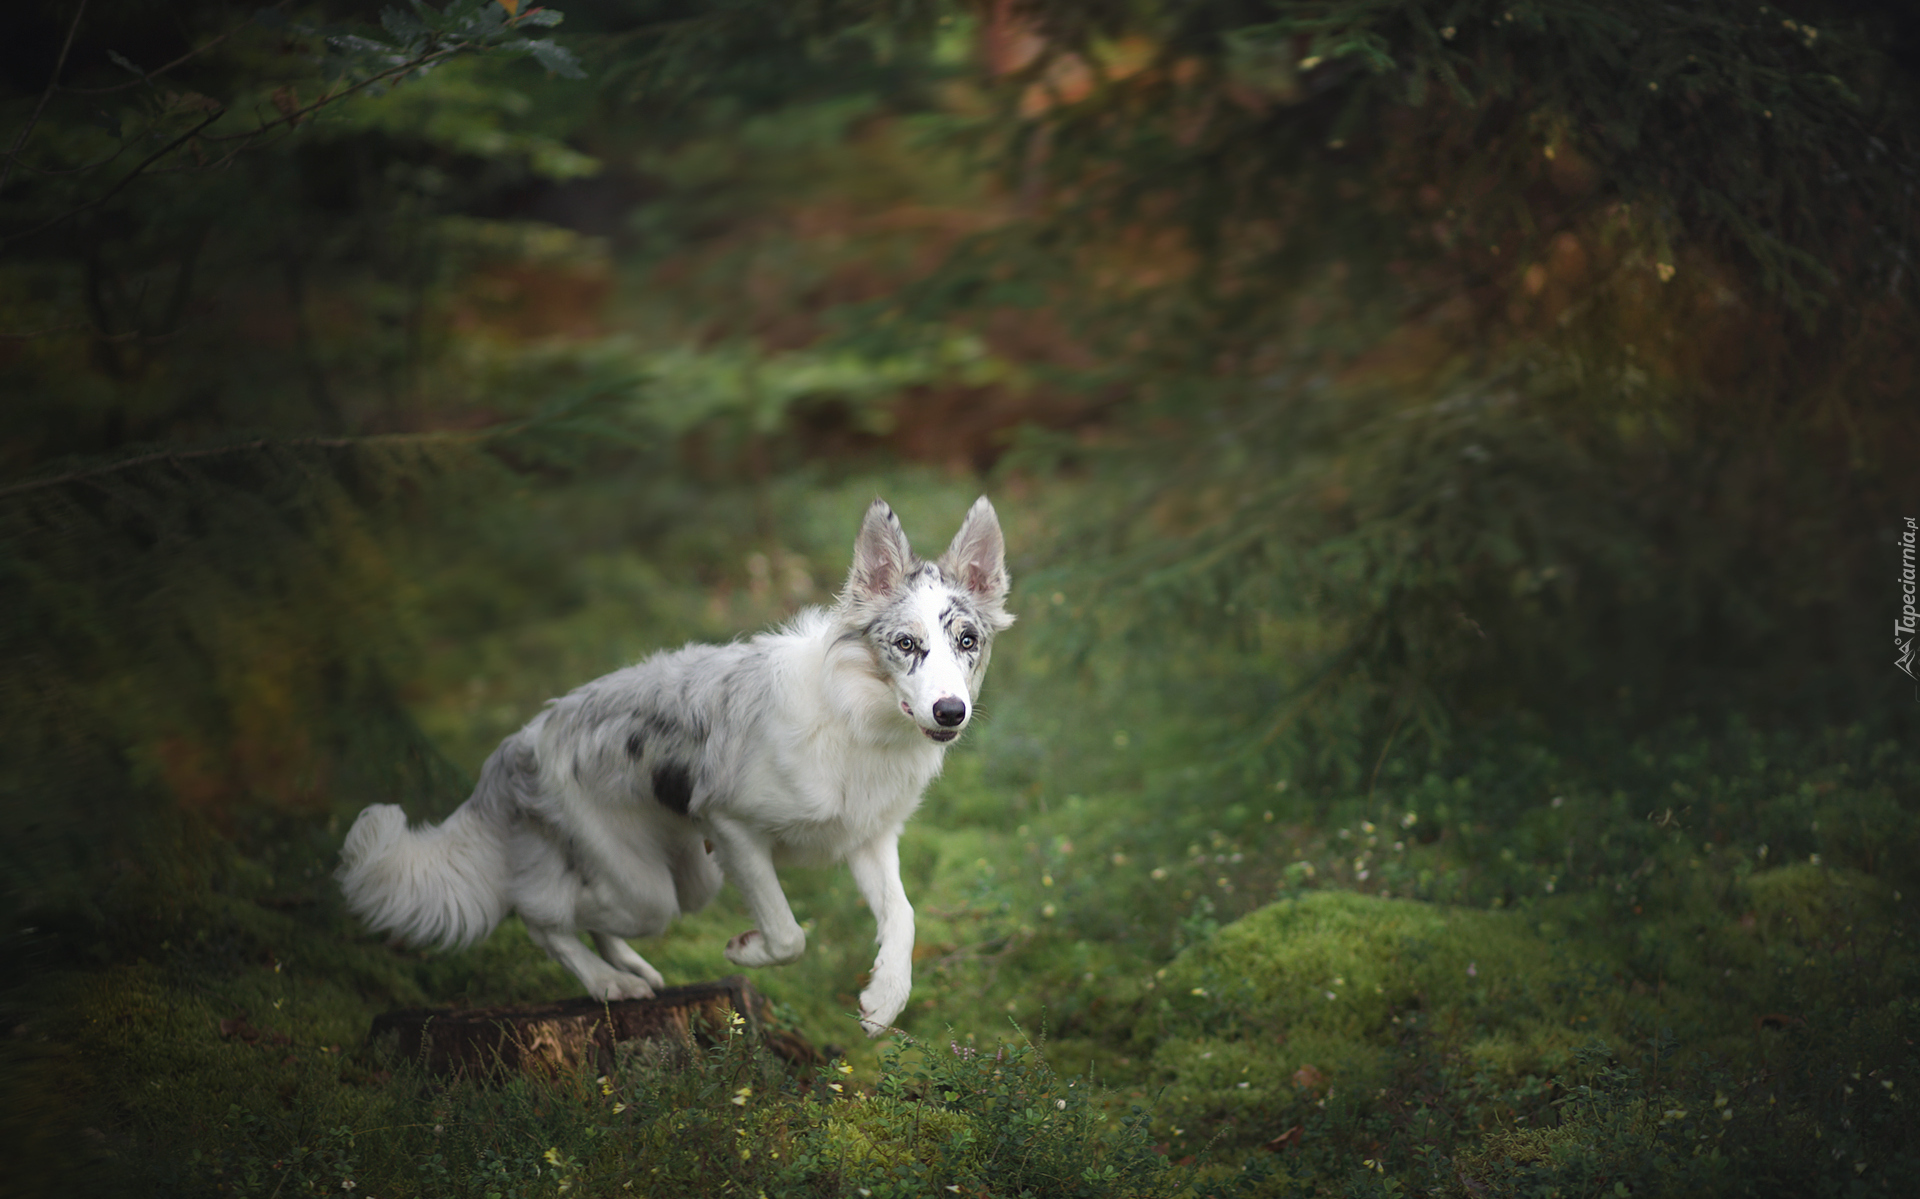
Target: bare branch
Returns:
[[154, 74], [53, 83], [299, 114], [49, 331], [50, 173], [129, 177]]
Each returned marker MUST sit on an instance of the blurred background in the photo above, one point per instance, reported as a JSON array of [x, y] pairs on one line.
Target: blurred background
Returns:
[[1449, 452]]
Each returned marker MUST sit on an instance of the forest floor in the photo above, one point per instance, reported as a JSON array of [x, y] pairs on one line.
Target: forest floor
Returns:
[[1679, 962]]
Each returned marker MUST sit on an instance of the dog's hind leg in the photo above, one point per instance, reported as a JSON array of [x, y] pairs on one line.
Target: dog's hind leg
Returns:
[[622, 956], [601, 979]]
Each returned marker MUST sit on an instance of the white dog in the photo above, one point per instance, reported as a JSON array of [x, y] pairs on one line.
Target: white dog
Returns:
[[623, 803]]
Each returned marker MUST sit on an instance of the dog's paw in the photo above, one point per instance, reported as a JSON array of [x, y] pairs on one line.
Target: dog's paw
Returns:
[[620, 986], [621, 957], [747, 949], [752, 948], [650, 976], [880, 1004]]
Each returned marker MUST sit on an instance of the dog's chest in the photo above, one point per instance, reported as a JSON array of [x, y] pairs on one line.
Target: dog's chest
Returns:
[[821, 799]]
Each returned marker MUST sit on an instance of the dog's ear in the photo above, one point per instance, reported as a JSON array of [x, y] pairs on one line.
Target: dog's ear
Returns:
[[978, 558], [881, 556]]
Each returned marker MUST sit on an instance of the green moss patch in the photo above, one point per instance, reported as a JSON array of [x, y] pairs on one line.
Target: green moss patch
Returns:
[[1324, 996]]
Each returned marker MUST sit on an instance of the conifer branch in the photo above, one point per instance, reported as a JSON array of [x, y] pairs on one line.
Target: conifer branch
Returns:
[[256, 445]]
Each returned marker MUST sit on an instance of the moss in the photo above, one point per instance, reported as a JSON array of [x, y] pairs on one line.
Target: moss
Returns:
[[1321, 996], [880, 1130], [1805, 901]]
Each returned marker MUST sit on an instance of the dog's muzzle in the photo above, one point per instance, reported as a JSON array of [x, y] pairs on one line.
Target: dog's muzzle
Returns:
[[948, 712]]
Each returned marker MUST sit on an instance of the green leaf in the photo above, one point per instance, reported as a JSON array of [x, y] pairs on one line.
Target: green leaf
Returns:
[[556, 58], [406, 25]]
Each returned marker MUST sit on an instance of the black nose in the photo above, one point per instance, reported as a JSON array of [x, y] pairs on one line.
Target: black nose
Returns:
[[949, 711]]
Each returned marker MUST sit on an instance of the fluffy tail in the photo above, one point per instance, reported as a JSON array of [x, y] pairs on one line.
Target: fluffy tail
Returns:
[[434, 885]]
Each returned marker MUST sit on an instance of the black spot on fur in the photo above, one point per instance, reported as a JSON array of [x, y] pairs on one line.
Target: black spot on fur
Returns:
[[673, 731], [635, 746], [673, 786]]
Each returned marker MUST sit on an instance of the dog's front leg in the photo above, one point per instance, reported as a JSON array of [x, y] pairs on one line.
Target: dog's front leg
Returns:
[[746, 859], [876, 871]]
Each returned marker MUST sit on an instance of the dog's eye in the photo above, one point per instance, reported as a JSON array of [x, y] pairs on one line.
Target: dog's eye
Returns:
[[904, 644], [968, 641]]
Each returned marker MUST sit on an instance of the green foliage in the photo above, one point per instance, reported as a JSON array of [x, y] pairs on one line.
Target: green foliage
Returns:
[[1723, 118], [1434, 416]]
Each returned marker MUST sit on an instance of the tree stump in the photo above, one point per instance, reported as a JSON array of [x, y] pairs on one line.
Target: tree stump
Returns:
[[552, 1038]]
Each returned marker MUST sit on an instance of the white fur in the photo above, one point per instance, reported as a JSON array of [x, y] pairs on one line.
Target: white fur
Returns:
[[622, 804]]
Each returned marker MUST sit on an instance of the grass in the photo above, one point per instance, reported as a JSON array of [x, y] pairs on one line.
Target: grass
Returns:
[[1678, 962]]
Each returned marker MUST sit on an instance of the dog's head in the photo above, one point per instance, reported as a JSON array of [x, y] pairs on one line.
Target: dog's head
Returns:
[[929, 625]]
